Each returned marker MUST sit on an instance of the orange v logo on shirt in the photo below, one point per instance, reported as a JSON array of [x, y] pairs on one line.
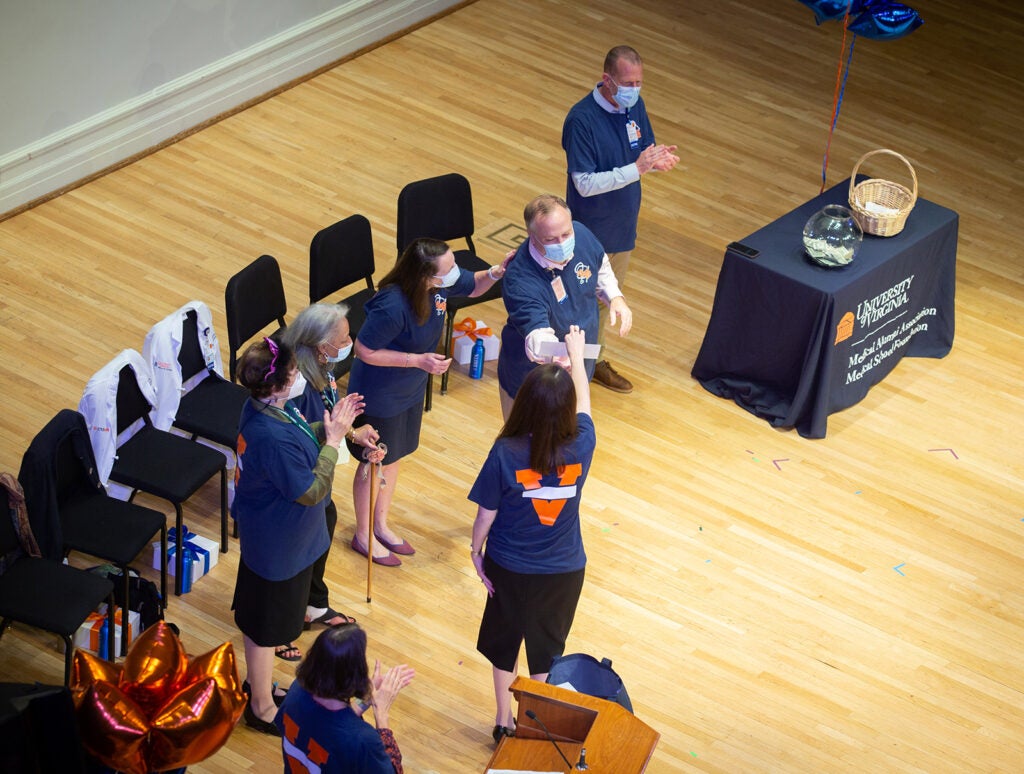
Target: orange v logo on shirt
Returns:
[[549, 500]]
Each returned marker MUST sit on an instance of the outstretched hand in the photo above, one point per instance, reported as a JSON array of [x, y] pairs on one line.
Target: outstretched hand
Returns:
[[619, 310], [575, 340]]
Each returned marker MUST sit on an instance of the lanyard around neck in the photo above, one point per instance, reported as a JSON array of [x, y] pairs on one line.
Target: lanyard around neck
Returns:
[[292, 415], [330, 392]]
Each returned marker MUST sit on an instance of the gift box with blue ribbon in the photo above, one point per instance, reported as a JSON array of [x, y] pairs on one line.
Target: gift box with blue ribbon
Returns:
[[199, 556]]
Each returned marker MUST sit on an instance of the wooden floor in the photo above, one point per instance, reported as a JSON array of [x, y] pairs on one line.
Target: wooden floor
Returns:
[[754, 611]]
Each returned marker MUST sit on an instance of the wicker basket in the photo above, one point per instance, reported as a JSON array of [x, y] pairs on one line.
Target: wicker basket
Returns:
[[880, 206]]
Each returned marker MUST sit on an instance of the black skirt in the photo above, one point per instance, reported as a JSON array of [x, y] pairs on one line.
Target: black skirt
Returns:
[[401, 433], [270, 613]]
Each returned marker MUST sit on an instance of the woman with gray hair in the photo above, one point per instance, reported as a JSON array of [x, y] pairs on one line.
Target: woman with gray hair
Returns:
[[320, 339]]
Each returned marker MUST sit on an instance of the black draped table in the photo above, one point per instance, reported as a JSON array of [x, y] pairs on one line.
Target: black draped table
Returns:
[[793, 342]]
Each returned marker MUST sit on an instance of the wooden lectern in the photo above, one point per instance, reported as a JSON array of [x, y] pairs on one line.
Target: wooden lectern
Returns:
[[616, 742]]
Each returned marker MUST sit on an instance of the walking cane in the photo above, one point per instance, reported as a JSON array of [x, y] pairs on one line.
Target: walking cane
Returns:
[[369, 537]]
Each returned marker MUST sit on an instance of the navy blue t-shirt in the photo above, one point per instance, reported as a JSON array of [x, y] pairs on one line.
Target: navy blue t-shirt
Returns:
[[531, 304], [598, 141], [279, 536], [391, 324], [537, 529], [336, 742]]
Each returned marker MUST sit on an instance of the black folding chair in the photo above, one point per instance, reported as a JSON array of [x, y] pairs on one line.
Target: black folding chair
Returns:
[[253, 299], [342, 255], [442, 208], [163, 464], [212, 407], [91, 521], [47, 594]]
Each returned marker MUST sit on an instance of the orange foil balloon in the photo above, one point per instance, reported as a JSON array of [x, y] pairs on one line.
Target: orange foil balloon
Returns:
[[114, 729], [155, 667], [163, 713], [192, 725], [87, 669], [219, 664]]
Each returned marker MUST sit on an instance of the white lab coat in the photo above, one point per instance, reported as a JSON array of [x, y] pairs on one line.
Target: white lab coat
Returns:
[[99, 407], [161, 348]]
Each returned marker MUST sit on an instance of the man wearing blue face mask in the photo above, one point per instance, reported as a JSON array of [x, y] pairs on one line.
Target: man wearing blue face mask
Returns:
[[554, 281], [609, 144]]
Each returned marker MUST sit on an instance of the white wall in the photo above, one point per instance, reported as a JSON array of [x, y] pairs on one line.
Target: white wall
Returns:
[[85, 84]]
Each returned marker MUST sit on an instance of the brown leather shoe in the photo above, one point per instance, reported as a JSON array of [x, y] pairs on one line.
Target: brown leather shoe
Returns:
[[608, 377]]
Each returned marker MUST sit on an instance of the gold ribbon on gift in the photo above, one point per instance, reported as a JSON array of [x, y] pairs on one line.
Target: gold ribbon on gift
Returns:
[[468, 327]]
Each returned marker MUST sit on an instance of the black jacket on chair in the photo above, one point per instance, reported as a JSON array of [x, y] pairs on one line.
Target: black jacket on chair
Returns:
[[38, 477]]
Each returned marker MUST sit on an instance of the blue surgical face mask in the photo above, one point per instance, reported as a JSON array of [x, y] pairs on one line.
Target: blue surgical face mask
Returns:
[[342, 354], [626, 96], [450, 278], [561, 252]]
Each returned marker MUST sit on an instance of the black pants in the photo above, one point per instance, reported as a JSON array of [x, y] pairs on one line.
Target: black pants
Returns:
[[318, 587]]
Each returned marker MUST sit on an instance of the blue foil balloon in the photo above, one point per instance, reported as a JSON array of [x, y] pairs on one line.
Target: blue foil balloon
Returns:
[[885, 21], [828, 10]]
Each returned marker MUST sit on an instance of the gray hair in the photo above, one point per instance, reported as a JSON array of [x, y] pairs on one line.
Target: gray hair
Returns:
[[311, 328]]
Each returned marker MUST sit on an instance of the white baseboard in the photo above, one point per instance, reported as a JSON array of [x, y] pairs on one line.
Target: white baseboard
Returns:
[[90, 146]]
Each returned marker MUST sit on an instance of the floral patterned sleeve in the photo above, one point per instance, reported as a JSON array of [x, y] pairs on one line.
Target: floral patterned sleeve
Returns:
[[391, 747]]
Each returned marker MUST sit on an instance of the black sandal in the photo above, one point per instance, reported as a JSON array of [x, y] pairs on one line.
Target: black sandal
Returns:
[[283, 651], [326, 618]]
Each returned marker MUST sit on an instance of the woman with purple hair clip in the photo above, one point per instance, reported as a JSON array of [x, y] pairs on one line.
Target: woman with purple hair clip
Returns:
[[285, 468]]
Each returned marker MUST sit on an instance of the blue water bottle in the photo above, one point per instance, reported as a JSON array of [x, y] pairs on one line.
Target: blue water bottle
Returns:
[[103, 649], [476, 360]]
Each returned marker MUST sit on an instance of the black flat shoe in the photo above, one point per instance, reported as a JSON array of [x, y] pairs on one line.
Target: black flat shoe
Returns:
[[259, 724], [500, 731], [278, 697]]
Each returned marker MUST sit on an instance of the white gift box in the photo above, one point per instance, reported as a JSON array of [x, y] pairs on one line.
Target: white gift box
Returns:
[[463, 345], [88, 635], [208, 552]]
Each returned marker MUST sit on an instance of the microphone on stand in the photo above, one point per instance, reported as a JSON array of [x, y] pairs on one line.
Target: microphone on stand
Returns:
[[581, 765], [533, 716]]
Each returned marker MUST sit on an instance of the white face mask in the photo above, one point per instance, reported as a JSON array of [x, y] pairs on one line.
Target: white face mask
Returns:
[[342, 354], [450, 278], [298, 386]]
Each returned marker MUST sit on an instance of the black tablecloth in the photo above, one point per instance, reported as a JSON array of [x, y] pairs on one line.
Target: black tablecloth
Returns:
[[793, 342]]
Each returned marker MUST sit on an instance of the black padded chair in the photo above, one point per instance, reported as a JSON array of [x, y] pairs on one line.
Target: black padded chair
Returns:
[[163, 464], [47, 594], [442, 208], [253, 299], [342, 255], [91, 522], [212, 408]]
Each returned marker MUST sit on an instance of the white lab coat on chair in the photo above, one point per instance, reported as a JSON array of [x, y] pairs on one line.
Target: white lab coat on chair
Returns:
[[160, 350], [99, 407]]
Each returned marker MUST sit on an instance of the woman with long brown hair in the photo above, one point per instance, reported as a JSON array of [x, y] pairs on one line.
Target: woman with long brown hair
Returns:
[[395, 352], [528, 496]]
